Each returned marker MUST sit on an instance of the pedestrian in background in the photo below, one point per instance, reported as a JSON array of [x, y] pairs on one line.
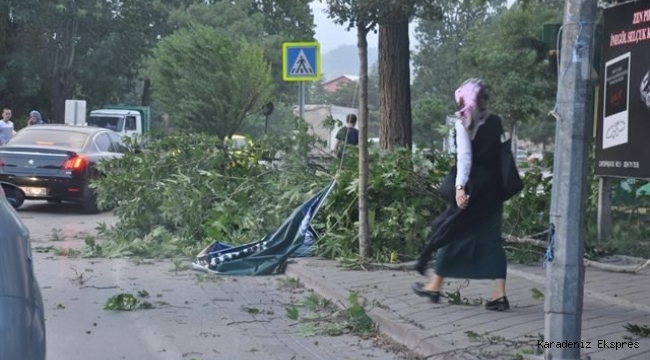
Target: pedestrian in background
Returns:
[[347, 135], [467, 235], [6, 126], [35, 118]]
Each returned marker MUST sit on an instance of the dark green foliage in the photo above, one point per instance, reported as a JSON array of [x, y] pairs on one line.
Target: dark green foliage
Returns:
[[206, 83]]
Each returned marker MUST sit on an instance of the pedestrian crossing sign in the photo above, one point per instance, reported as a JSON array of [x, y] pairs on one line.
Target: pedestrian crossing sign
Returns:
[[301, 61]]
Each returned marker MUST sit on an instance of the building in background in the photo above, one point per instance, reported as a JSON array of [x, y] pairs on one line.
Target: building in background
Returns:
[[333, 84]]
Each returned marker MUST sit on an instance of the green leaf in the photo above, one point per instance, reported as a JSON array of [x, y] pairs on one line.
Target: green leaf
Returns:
[[292, 312]]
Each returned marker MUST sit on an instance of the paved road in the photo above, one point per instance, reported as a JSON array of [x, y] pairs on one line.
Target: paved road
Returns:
[[195, 316]]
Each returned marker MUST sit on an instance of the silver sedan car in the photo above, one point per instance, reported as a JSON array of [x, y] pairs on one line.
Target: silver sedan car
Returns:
[[22, 320]]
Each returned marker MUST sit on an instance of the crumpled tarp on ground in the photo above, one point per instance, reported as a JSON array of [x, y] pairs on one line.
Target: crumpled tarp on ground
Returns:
[[294, 238]]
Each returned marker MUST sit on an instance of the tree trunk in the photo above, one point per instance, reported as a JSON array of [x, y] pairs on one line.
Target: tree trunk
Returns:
[[58, 100], [394, 84], [63, 68], [146, 92], [364, 231]]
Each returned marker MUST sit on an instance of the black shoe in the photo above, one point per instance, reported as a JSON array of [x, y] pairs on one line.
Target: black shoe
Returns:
[[418, 289], [500, 304], [421, 267]]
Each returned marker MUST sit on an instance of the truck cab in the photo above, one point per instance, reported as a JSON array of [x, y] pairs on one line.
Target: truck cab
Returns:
[[128, 121]]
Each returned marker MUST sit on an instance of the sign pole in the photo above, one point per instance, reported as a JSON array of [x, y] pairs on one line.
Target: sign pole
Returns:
[[301, 99], [604, 208], [565, 270]]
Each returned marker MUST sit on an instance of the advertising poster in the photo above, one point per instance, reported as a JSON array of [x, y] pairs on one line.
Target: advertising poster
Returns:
[[623, 128]]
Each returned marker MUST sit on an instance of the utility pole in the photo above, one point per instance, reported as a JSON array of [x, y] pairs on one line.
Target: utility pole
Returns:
[[565, 271]]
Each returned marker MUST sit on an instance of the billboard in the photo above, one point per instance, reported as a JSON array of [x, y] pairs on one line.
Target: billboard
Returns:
[[623, 121]]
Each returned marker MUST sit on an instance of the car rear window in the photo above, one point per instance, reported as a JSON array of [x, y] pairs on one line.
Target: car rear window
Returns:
[[48, 137]]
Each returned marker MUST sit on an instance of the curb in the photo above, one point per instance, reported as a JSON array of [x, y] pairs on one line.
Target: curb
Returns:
[[390, 324]]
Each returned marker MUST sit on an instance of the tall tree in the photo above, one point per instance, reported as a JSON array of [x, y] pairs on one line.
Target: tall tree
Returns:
[[436, 61], [207, 83], [522, 88], [392, 17], [395, 78], [87, 49], [267, 23]]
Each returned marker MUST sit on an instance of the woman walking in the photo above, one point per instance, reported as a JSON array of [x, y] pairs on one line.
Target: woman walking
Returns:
[[467, 235]]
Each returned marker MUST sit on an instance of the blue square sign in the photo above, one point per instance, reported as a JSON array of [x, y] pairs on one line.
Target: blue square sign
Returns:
[[301, 61]]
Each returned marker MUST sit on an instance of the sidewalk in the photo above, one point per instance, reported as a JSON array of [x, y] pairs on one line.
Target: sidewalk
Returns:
[[445, 331]]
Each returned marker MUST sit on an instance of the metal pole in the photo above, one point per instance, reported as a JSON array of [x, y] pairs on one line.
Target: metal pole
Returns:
[[301, 99], [565, 272], [604, 208]]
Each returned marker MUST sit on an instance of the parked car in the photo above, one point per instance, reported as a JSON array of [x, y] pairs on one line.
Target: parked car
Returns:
[[57, 163], [22, 316]]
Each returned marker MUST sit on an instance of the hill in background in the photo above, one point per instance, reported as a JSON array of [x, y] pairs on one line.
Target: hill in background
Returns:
[[344, 60]]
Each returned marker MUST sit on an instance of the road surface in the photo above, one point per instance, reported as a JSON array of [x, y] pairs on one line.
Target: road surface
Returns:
[[194, 316]]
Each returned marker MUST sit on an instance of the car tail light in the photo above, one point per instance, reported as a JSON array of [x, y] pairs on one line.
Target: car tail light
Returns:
[[2, 163], [75, 163]]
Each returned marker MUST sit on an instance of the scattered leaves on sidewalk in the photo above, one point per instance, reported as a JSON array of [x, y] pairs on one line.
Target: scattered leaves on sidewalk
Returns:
[[639, 330], [324, 318], [289, 283], [292, 312], [80, 279], [127, 302], [42, 249], [69, 252], [455, 297], [537, 294]]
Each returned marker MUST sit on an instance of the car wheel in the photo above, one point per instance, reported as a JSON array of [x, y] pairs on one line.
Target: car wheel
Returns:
[[89, 202], [14, 196]]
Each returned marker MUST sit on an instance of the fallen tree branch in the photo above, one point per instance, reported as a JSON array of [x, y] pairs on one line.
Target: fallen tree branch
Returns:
[[525, 240], [248, 322], [99, 287]]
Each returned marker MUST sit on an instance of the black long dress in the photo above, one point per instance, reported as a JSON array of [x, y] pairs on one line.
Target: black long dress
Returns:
[[469, 242]]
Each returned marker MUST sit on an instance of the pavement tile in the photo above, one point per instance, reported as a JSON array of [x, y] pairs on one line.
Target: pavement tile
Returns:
[[444, 331]]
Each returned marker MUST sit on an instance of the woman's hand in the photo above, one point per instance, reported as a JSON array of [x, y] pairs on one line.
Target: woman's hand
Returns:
[[462, 200]]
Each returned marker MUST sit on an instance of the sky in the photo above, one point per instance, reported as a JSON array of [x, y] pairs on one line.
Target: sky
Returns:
[[331, 35]]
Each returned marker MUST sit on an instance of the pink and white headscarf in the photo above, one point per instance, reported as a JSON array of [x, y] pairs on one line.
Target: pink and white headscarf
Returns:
[[467, 94]]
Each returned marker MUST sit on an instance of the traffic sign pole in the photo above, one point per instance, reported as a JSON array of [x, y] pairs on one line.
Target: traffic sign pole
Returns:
[[301, 99]]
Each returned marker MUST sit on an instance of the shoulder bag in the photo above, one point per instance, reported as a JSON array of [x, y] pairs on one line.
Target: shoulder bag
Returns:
[[510, 179]]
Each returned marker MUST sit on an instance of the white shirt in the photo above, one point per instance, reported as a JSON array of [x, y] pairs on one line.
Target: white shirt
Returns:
[[6, 131], [463, 153]]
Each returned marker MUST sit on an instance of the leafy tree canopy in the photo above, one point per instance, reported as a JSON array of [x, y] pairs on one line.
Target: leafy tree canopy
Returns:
[[267, 23], [206, 83], [522, 87]]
